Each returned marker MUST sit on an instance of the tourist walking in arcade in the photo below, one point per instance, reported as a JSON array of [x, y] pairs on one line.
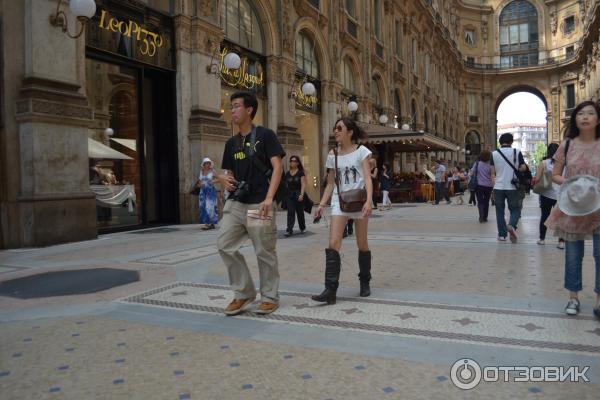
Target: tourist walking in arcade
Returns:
[[481, 181], [547, 190], [295, 181], [351, 197], [577, 217], [207, 202], [252, 169]]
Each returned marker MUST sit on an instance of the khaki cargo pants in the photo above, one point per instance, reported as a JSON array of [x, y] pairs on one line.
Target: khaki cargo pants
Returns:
[[232, 234]]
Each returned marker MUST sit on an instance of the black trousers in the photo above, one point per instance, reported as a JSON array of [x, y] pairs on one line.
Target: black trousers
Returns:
[[295, 207], [546, 205]]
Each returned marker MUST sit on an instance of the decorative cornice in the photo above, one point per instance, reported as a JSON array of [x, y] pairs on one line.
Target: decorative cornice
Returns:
[[44, 100]]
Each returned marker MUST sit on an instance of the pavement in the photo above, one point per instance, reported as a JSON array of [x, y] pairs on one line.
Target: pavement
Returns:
[[444, 291]]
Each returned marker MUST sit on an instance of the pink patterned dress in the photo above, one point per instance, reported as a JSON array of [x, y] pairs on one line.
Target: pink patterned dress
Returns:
[[582, 159]]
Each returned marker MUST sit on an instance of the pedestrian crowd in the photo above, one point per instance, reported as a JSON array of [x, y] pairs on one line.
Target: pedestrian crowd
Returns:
[[566, 180]]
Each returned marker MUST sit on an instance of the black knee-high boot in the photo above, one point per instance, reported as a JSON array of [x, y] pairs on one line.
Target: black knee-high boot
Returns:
[[332, 277], [364, 276]]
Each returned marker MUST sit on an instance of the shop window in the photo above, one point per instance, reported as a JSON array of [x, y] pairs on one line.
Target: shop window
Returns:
[[114, 160], [241, 26], [306, 60]]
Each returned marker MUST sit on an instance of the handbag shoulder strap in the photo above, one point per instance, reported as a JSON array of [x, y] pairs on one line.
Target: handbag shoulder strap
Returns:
[[506, 159], [337, 182]]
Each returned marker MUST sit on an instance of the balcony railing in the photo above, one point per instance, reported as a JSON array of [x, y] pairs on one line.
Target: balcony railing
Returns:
[[549, 61]]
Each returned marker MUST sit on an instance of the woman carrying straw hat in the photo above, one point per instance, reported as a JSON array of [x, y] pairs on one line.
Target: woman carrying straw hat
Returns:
[[207, 204], [577, 216]]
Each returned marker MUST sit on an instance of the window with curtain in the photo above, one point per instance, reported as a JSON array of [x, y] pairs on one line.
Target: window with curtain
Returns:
[[472, 104], [397, 107], [413, 115], [426, 120], [414, 56], [377, 12], [347, 76], [241, 26], [427, 68], [519, 38], [351, 8], [398, 39], [306, 60]]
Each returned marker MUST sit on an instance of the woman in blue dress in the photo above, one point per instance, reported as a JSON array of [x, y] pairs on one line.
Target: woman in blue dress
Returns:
[[208, 207]]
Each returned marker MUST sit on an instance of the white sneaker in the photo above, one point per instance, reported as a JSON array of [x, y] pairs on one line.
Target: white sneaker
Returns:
[[572, 307], [561, 245], [512, 233], [502, 238], [541, 242]]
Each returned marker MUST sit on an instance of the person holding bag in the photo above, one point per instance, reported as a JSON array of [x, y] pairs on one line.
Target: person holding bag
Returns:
[[577, 217], [547, 190], [349, 181]]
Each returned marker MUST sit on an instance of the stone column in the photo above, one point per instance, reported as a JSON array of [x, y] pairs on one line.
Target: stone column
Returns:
[[202, 132], [45, 197]]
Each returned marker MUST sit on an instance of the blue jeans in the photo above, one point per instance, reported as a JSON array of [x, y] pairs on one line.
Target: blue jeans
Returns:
[[515, 203], [574, 260], [440, 190]]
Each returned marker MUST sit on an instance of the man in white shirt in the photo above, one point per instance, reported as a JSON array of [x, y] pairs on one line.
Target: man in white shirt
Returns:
[[440, 181], [503, 176]]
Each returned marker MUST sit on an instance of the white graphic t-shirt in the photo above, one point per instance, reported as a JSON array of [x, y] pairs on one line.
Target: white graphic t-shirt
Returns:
[[350, 170]]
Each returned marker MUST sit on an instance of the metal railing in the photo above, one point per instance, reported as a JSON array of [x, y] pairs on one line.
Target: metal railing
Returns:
[[549, 61]]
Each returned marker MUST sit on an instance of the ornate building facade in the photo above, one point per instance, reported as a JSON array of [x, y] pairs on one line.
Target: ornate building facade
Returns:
[[107, 131]]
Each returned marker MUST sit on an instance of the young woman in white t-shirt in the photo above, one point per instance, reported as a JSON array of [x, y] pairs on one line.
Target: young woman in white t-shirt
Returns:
[[354, 172]]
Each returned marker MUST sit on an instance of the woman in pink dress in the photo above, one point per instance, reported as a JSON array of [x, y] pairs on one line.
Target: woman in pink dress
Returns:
[[579, 154]]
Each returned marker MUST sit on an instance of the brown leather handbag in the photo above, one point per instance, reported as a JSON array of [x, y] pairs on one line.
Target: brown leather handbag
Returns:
[[351, 200]]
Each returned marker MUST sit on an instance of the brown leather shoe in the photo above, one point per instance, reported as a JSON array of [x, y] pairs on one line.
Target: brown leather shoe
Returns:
[[266, 308], [237, 306]]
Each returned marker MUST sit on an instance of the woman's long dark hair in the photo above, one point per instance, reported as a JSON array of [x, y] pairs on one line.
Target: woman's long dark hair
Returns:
[[351, 125], [300, 166], [552, 147], [571, 130]]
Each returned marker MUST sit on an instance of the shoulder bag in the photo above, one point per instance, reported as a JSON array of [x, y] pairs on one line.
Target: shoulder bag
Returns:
[[522, 180], [350, 200], [473, 181], [544, 183]]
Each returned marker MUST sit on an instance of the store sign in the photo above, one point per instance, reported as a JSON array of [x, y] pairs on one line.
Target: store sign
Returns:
[[147, 41], [308, 103], [249, 76], [125, 31]]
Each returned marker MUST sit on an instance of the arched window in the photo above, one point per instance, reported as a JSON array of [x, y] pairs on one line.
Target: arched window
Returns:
[[241, 26], [426, 120], [306, 60], [347, 76], [519, 35], [435, 124]]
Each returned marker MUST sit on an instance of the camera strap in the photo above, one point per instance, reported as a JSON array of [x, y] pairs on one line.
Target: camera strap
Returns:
[[508, 162]]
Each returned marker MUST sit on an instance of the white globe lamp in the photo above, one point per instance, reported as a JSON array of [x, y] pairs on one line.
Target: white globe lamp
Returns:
[[109, 132], [383, 119], [83, 8], [405, 127], [309, 89], [232, 61], [352, 106]]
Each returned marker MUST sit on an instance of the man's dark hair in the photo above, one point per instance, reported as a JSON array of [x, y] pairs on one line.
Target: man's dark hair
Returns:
[[571, 129], [506, 138], [249, 99]]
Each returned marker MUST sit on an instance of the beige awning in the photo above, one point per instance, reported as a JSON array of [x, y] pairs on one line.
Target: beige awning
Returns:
[[129, 143], [99, 150], [405, 141]]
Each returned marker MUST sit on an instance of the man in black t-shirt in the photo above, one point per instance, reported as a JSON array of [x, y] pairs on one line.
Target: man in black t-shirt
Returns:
[[252, 169]]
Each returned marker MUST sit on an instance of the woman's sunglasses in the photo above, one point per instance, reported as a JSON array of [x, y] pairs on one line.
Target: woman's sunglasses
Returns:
[[338, 128]]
